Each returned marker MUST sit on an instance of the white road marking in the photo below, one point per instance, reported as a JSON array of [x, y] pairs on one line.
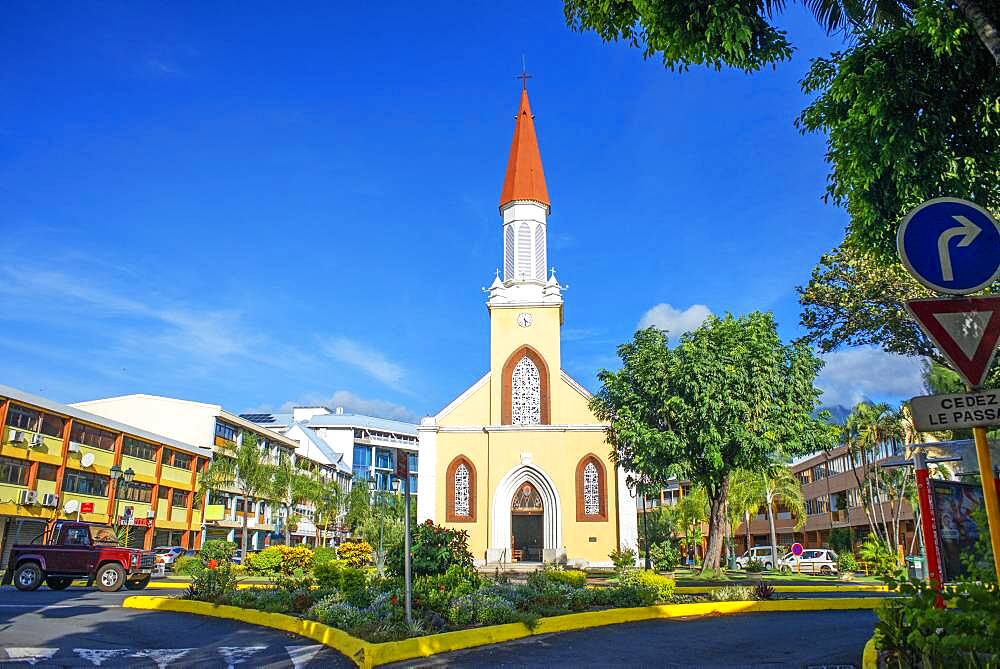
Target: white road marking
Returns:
[[162, 656], [30, 655], [238, 654], [100, 655], [303, 655]]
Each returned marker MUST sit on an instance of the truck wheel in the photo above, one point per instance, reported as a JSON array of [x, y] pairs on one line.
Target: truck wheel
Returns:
[[139, 583], [58, 582], [28, 576], [110, 578], [825, 569]]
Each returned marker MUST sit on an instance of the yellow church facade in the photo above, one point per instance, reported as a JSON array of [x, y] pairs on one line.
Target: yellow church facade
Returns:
[[518, 460]]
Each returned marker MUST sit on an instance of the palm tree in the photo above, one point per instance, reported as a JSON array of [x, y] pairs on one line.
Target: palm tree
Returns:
[[692, 509], [244, 469], [292, 485], [866, 429], [768, 488], [331, 503]]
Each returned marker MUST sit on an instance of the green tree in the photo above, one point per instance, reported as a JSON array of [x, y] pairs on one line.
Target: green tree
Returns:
[[242, 468], [291, 486], [660, 523], [768, 488], [331, 504], [909, 114], [691, 512], [725, 398]]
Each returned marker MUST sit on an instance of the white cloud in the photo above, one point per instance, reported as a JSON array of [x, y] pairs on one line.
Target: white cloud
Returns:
[[352, 403], [854, 374], [368, 360], [676, 322]]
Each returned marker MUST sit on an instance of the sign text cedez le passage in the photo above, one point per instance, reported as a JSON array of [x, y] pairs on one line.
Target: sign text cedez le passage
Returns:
[[955, 411], [971, 403]]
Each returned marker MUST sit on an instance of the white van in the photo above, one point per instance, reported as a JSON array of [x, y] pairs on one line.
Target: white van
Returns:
[[762, 553]]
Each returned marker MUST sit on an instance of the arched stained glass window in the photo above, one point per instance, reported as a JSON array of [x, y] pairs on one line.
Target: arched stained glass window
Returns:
[[462, 490], [526, 394], [591, 490]]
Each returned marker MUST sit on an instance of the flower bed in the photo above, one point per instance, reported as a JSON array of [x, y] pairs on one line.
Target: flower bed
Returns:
[[371, 608]]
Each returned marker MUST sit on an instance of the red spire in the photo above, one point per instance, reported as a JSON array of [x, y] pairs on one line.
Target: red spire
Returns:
[[525, 179]]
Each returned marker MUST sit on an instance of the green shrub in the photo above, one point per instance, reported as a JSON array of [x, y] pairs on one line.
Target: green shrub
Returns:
[[573, 577], [912, 632], [733, 593], [213, 584], [481, 608], [187, 566], [641, 588], [882, 558], [265, 562], [841, 539], [433, 549], [755, 566], [623, 558], [665, 556], [435, 593], [220, 550], [662, 585], [350, 581], [847, 563], [324, 554]]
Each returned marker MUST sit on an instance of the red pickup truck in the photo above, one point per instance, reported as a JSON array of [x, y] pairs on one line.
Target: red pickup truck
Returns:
[[73, 550]]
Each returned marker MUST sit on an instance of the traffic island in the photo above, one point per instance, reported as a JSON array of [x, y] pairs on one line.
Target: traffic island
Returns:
[[366, 654]]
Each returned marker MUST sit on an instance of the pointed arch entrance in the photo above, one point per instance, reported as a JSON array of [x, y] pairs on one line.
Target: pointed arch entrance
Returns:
[[526, 515]]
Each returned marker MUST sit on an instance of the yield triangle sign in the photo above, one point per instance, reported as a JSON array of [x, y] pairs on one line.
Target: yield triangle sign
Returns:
[[966, 330]]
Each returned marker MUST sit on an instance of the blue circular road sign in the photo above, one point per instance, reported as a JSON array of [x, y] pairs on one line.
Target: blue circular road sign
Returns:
[[950, 245]]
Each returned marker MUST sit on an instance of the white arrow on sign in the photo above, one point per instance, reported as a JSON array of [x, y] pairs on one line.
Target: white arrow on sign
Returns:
[[968, 230]]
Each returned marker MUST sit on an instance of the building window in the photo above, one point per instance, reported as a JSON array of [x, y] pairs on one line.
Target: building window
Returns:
[[177, 459], [412, 462], [179, 498], [83, 483], [47, 472], [461, 491], [526, 400], [14, 472], [22, 419], [383, 458], [138, 449], [93, 437], [52, 426], [225, 431], [136, 492], [525, 389], [591, 490]]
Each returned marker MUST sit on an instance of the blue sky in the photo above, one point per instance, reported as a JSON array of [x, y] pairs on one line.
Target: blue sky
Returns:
[[297, 204]]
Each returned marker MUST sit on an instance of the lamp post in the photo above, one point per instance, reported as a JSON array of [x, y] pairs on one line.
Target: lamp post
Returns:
[[406, 540], [122, 480], [378, 499]]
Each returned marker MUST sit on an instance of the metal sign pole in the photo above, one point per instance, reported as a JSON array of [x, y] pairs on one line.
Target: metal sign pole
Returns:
[[927, 524], [989, 494]]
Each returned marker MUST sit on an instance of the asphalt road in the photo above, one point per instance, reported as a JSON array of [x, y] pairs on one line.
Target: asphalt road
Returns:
[[752, 641], [82, 627]]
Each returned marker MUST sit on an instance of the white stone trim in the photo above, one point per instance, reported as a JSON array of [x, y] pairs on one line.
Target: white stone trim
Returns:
[[574, 384], [521, 428], [551, 519], [427, 475], [461, 398]]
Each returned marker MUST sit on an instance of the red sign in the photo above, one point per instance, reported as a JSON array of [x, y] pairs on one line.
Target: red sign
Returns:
[[86, 507], [796, 549], [402, 465], [966, 329]]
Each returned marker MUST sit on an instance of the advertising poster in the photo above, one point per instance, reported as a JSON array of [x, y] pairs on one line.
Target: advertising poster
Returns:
[[954, 504]]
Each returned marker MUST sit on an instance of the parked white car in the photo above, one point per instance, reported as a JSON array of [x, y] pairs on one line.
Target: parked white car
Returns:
[[169, 554], [812, 561], [762, 553]]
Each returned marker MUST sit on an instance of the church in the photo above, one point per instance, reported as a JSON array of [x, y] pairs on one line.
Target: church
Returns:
[[518, 460]]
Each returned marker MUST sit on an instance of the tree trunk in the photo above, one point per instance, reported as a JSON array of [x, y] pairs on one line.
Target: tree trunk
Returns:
[[774, 536], [716, 523], [987, 32], [746, 516], [246, 506]]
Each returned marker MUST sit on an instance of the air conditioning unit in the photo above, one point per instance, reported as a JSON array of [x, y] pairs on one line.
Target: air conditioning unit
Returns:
[[28, 497], [37, 440], [48, 499], [17, 437], [74, 447]]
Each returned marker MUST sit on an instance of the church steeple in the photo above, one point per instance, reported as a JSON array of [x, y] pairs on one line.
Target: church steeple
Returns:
[[525, 179], [524, 204]]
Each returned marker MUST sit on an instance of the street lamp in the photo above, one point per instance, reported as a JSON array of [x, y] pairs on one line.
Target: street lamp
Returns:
[[122, 480], [406, 537], [378, 499]]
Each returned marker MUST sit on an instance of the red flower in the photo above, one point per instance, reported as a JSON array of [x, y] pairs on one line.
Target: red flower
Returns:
[[394, 600], [212, 564]]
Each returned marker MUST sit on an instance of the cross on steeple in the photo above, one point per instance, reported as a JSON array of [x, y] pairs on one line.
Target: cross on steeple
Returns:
[[524, 76]]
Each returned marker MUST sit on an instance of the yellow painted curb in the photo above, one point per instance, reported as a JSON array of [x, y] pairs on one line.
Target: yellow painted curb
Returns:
[[869, 659], [699, 589], [182, 585], [367, 655]]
